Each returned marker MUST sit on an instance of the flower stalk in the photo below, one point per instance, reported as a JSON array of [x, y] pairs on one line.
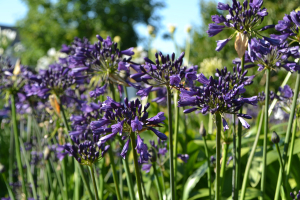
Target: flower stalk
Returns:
[[208, 167], [172, 180], [251, 156], [17, 144], [159, 189], [91, 167], [176, 108], [266, 117], [224, 159], [136, 167], [218, 156]]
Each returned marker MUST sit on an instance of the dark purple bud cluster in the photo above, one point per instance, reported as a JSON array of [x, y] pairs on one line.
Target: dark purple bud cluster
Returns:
[[220, 95], [289, 27], [126, 118], [165, 71], [87, 152], [102, 58], [272, 53], [243, 17], [285, 94], [297, 196]]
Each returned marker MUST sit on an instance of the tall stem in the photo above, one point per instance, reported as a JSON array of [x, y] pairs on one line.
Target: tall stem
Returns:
[[218, 156], [172, 180], [288, 132], [234, 191], [265, 145], [114, 171], [208, 167], [94, 182], [176, 108], [288, 168], [239, 143], [159, 189], [101, 181], [10, 192], [246, 175], [17, 144], [85, 182], [224, 159], [136, 167]]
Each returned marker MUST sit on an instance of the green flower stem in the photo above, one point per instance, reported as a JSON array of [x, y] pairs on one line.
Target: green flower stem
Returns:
[[114, 171], [126, 164], [172, 180], [84, 179], [224, 159], [29, 174], [11, 158], [234, 191], [11, 194], [218, 157], [288, 133], [208, 167], [77, 183], [91, 167], [281, 167], [239, 143], [136, 167], [64, 168], [120, 177], [288, 168], [49, 178], [176, 108], [17, 144], [265, 144], [101, 181], [159, 189], [251, 156]]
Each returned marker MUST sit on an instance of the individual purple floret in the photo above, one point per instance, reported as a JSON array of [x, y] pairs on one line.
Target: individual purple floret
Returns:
[[221, 95], [242, 18]]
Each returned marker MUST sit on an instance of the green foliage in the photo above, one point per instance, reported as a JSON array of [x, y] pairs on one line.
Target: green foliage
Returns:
[[53, 23]]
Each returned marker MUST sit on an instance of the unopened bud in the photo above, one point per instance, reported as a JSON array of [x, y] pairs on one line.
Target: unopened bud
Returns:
[[202, 130], [275, 138]]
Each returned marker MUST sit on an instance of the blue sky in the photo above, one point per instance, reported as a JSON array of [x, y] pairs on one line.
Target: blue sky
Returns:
[[178, 12]]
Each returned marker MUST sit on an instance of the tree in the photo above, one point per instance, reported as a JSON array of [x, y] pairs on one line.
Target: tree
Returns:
[[53, 23]]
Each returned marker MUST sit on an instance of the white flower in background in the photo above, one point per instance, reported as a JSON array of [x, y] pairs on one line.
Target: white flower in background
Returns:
[[279, 114], [18, 47], [209, 65], [188, 28], [7, 36], [139, 55], [172, 28], [51, 57]]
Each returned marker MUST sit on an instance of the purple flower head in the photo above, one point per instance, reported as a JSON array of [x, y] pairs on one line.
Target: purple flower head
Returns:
[[243, 18], [98, 91], [220, 95], [103, 59], [146, 167], [165, 71], [136, 125], [271, 53]]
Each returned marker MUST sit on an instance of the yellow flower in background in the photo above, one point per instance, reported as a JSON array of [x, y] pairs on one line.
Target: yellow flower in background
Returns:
[[117, 39], [209, 65], [150, 29], [172, 28]]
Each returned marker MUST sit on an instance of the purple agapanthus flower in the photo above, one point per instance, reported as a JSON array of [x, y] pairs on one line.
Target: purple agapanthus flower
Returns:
[[267, 54], [124, 119], [221, 95], [167, 73], [289, 27], [243, 18]]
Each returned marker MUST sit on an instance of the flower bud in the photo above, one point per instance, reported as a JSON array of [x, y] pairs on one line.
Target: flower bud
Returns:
[[275, 138], [202, 130]]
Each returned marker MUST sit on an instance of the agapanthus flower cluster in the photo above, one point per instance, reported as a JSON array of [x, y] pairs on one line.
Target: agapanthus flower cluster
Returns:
[[86, 152], [166, 71], [222, 95], [289, 27], [103, 58], [243, 18], [272, 53], [158, 154], [57, 79], [125, 119]]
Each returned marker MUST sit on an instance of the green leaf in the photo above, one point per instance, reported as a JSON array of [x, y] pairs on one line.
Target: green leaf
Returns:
[[256, 167], [193, 180], [201, 193]]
